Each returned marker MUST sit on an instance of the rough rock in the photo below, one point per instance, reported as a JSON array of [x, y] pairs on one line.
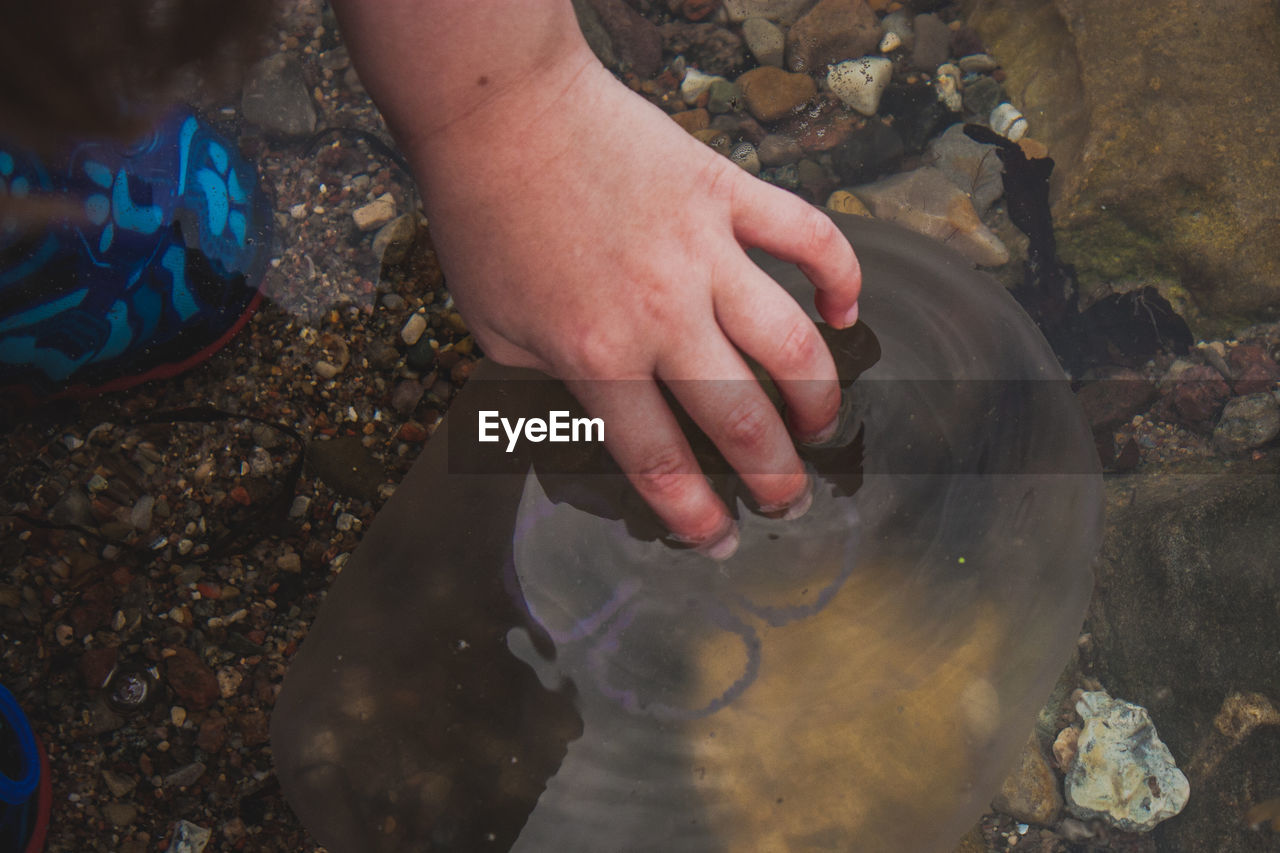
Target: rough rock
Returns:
[[1123, 772], [276, 98], [869, 152], [772, 93], [1030, 793], [830, 32], [1190, 189], [1252, 369], [1185, 613], [1247, 422], [925, 201], [375, 214], [970, 165]]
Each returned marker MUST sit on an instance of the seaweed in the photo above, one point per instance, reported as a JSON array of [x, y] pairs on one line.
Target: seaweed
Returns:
[[1119, 329]]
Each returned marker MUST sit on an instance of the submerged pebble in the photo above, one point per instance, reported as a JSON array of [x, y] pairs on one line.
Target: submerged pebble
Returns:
[[1008, 121], [860, 83], [1123, 772]]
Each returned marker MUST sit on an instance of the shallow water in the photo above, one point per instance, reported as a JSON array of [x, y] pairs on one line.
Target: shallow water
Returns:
[[189, 535]]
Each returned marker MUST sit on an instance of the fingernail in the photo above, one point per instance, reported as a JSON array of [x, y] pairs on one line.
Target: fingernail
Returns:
[[723, 546], [825, 434], [793, 508], [850, 317]]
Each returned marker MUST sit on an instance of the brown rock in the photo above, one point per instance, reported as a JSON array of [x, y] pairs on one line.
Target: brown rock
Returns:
[[933, 43], [708, 47], [692, 120], [191, 679], [1189, 191], [253, 727], [1030, 793], [698, 10], [830, 32], [1198, 396], [213, 733], [827, 124], [96, 665], [1112, 401], [636, 41], [772, 93], [1252, 370]]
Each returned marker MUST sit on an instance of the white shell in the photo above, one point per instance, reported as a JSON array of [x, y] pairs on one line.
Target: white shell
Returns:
[[860, 82], [1007, 121], [891, 42], [696, 82]]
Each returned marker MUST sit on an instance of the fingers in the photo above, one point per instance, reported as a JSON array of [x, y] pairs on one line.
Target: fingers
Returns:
[[647, 444], [768, 325], [794, 230], [734, 412]]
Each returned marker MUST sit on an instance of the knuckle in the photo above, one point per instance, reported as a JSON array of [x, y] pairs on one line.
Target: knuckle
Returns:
[[820, 237], [749, 425], [664, 474], [799, 350], [589, 352]]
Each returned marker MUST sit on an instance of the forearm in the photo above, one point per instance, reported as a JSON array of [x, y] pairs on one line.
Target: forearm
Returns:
[[446, 72]]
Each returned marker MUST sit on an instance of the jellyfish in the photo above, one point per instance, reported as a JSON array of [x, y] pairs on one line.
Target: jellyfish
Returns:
[[519, 660]]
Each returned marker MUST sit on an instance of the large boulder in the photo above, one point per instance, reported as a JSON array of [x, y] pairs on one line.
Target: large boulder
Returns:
[[1185, 621], [1162, 117]]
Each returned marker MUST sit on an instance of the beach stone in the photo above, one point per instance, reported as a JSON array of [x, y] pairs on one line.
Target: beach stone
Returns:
[[375, 214], [860, 83], [692, 121], [120, 814], [1123, 772], [832, 31], [697, 10], [596, 36], [712, 48], [723, 97], [772, 93], [1252, 369], [970, 165], [765, 41], [933, 43], [1247, 422], [276, 98], [695, 84], [926, 202], [1030, 793], [1191, 187], [777, 149], [823, 126], [899, 24], [191, 679], [635, 41], [392, 242], [778, 11], [1198, 394], [843, 201]]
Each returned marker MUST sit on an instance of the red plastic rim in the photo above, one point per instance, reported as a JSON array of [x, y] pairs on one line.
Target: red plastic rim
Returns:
[[44, 800]]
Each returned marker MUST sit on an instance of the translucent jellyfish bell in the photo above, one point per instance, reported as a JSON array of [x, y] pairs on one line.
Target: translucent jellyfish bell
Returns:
[[517, 661]]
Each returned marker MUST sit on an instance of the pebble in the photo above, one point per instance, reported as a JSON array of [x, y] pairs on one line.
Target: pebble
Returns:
[[977, 63], [1030, 792], [1247, 422], [1008, 121], [860, 83], [832, 31], [177, 715], [392, 242], [1065, 746], [184, 777], [778, 149], [898, 24], [744, 154], [191, 679], [1123, 772], [120, 814], [889, 42], [696, 84], [119, 785], [843, 201], [970, 165], [276, 98], [772, 93], [946, 83], [932, 42], [189, 838], [375, 214], [926, 202], [778, 11], [692, 121], [765, 41], [723, 97], [413, 329]]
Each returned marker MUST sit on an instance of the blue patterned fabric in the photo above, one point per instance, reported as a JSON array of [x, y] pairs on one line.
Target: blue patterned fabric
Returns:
[[161, 262]]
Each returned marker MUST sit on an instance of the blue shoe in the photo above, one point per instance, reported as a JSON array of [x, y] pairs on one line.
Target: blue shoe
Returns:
[[159, 269]]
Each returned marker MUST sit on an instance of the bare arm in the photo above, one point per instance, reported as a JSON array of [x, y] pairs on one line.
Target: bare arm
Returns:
[[587, 235]]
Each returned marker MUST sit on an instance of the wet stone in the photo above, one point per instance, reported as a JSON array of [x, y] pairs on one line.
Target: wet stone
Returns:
[[1030, 793], [191, 679], [276, 98], [1247, 422]]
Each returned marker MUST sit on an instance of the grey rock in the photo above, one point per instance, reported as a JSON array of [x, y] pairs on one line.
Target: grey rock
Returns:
[[189, 838], [276, 98], [184, 777], [779, 11], [1247, 422], [120, 814], [765, 41], [970, 165], [933, 43]]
